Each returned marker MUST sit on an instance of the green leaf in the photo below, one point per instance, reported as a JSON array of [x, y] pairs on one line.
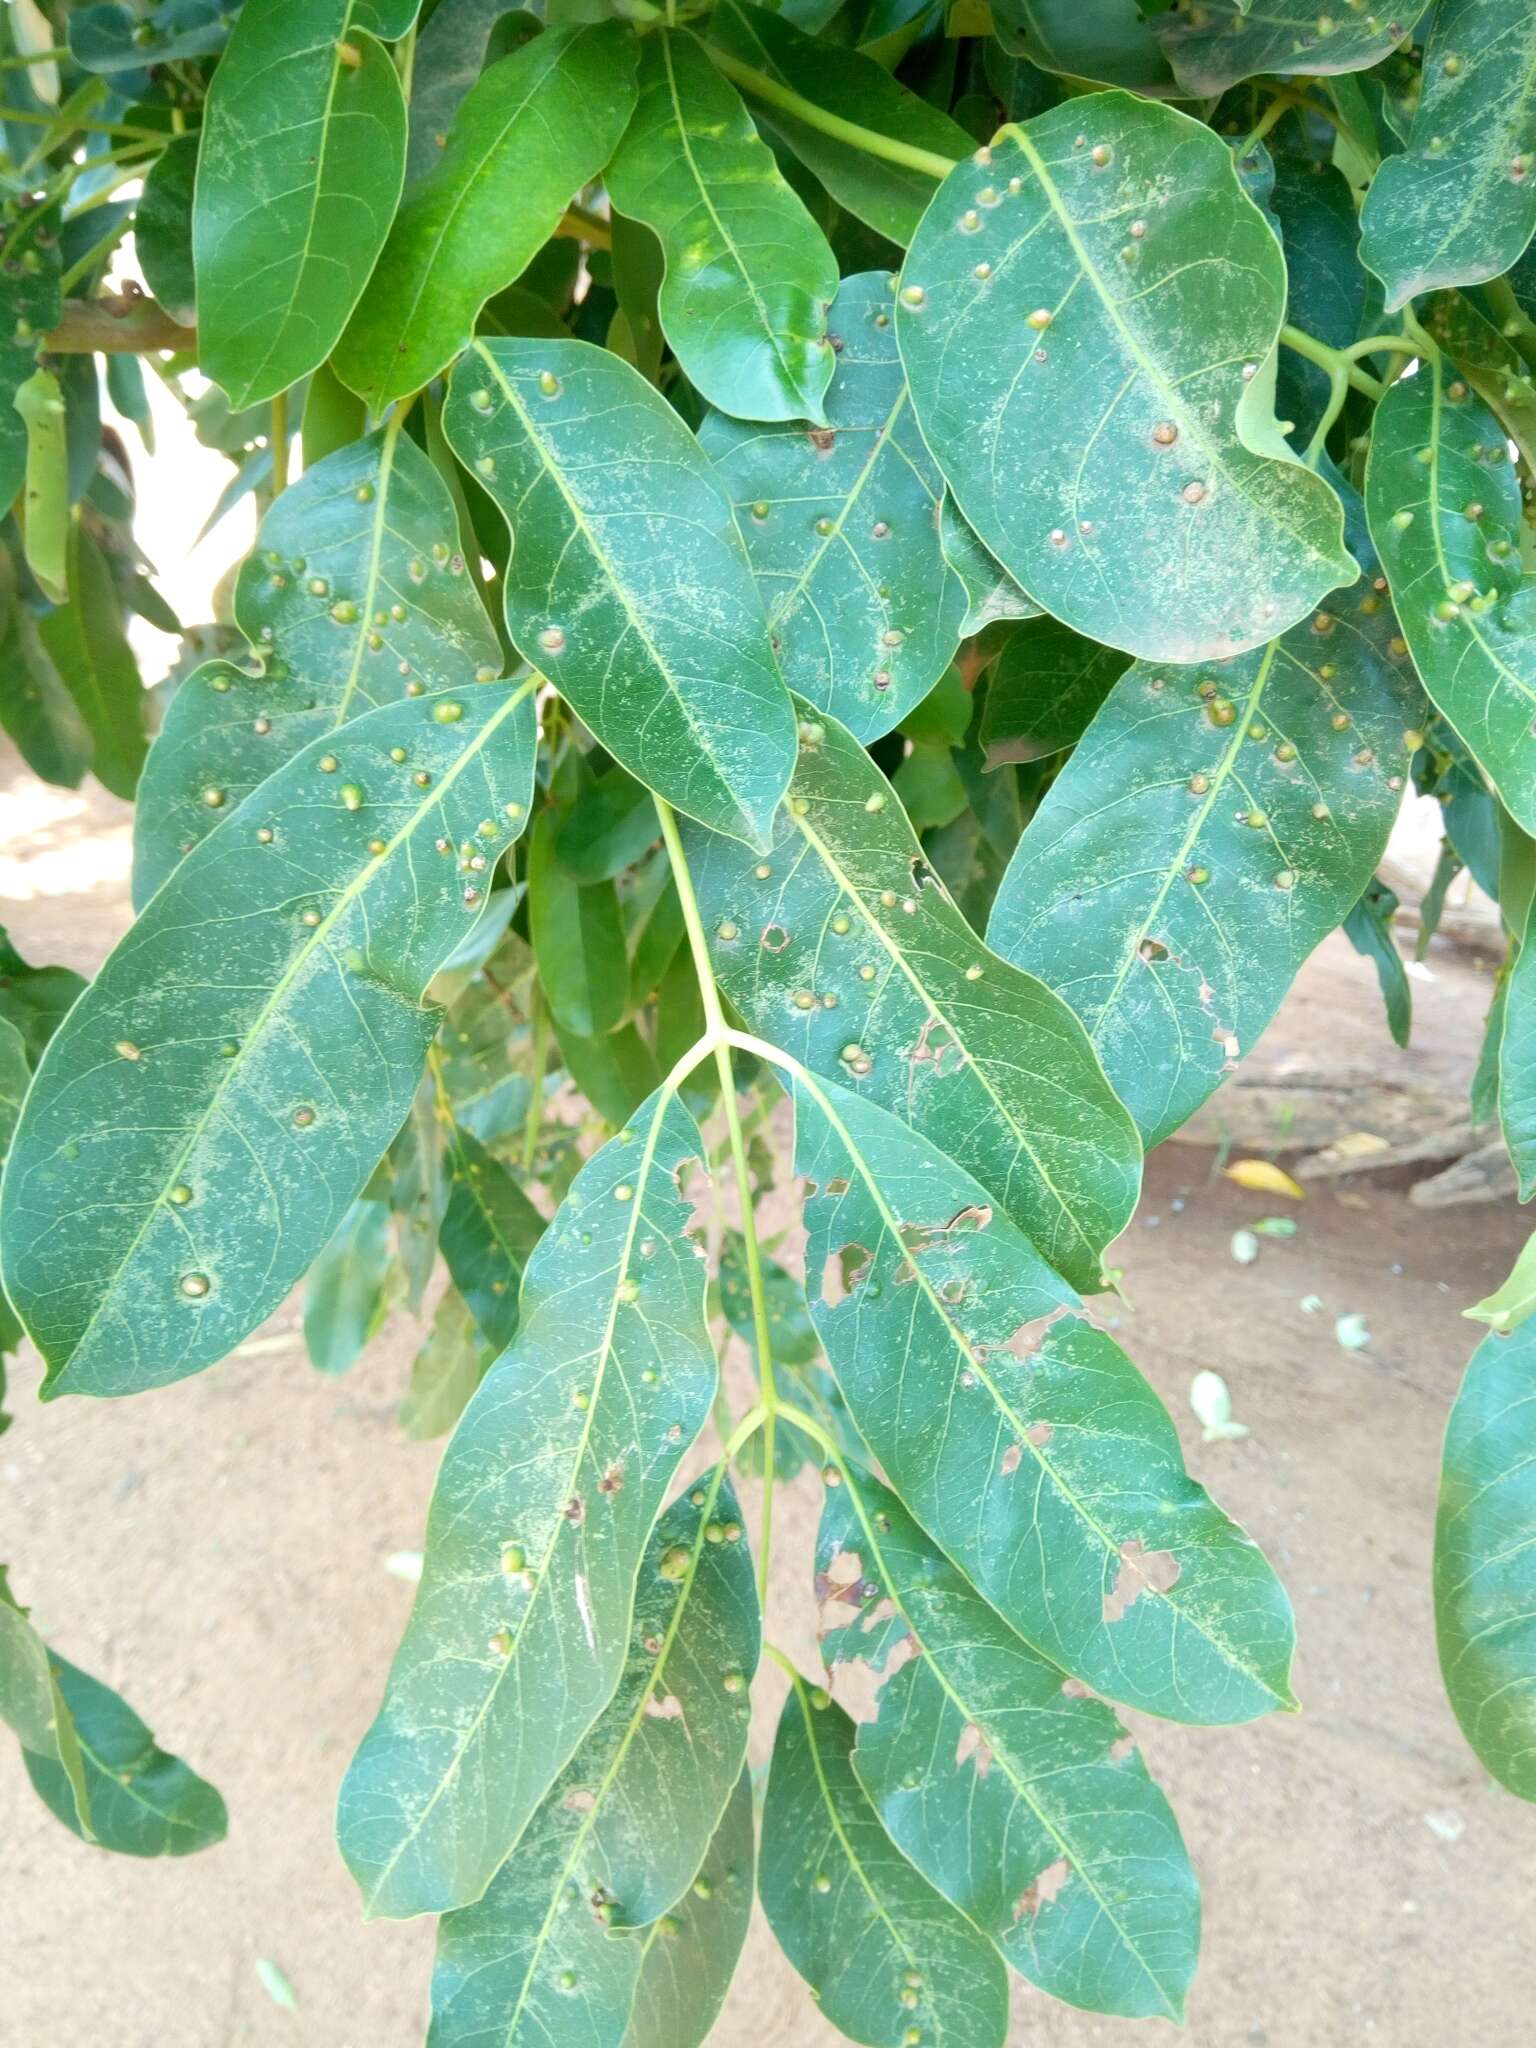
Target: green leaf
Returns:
[[1325, 286], [1151, 505], [626, 1825], [991, 591], [451, 50], [15, 1076], [445, 1372], [861, 1926], [1517, 1065], [789, 1322], [1485, 1592], [536, 127], [45, 501], [689, 1956], [85, 641], [303, 154], [35, 999], [1221, 42], [1444, 507], [887, 197], [33, 1707], [749, 275], [36, 710], [1513, 1302], [1108, 41], [347, 1294], [356, 595], [162, 227], [1213, 826], [114, 38], [218, 1098], [142, 1801], [545, 1499], [1021, 1436], [611, 825], [629, 586], [1025, 1803], [1459, 203], [578, 939], [1043, 692], [843, 949], [488, 1233], [1369, 929], [30, 307], [841, 529]]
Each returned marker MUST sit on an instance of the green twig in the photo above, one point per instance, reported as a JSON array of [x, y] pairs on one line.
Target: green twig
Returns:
[[1328, 359]]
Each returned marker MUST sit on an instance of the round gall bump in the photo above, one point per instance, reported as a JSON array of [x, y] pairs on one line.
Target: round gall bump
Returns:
[[912, 294], [552, 639], [213, 798], [1039, 319], [193, 1285]]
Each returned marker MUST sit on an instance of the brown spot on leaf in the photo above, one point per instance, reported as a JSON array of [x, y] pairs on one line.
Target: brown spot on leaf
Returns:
[[579, 1800], [1074, 1689], [1141, 1571], [881, 1611], [613, 1479], [973, 1747], [843, 1271], [838, 1185], [575, 1508], [1028, 1337], [1039, 1434], [664, 1706], [822, 439], [1011, 1458], [1045, 1888]]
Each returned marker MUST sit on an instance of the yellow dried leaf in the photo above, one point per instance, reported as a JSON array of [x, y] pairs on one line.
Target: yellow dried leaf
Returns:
[[1264, 1177]]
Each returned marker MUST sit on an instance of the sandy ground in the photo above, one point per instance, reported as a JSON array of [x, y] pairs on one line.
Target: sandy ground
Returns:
[[216, 1549]]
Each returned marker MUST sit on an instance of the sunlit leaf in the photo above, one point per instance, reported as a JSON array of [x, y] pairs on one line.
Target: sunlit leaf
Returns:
[[1221, 42]]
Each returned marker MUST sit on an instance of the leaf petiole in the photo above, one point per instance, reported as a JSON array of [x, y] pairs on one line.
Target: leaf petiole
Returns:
[[762, 87]]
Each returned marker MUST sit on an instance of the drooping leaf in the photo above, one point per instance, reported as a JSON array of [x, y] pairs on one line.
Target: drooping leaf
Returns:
[[841, 527], [842, 948], [37, 712], [626, 1825], [1221, 42], [1459, 203], [142, 1801], [162, 227], [1108, 41], [991, 591], [45, 499], [1087, 403], [1369, 929], [30, 306], [861, 1926], [545, 1499], [210, 1110], [1517, 1065], [1026, 1805], [488, 1233], [357, 594], [1044, 691], [33, 1707], [1020, 1435], [689, 1956], [85, 641], [536, 127], [1444, 507], [346, 1294], [628, 584], [578, 939], [749, 275], [1485, 1563], [1213, 826], [888, 197], [303, 154]]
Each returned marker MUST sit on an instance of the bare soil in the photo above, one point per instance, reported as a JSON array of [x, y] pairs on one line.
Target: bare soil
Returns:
[[217, 1550]]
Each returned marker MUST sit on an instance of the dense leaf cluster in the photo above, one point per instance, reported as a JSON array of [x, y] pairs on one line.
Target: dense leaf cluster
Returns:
[[890, 559]]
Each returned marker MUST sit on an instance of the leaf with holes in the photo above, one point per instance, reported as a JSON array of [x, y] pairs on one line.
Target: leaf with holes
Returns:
[[536, 127], [749, 275], [689, 1955], [1485, 1584], [213, 1105], [628, 584], [1221, 42], [545, 1499], [1212, 827], [843, 948], [1040, 1822], [627, 1823], [885, 1956], [841, 527], [303, 154], [1444, 506], [1077, 314], [357, 595], [1459, 203], [1020, 1435]]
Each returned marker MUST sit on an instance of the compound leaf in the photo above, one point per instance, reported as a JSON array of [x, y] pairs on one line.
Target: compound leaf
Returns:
[[1444, 507], [1212, 827], [862, 1927], [1485, 1584], [535, 128], [1020, 1798], [544, 1502], [217, 1099], [303, 154], [842, 948], [1458, 204], [689, 1956], [841, 528], [357, 594], [1147, 500], [629, 585], [1020, 1435], [749, 276], [1220, 42], [624, 1829]]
